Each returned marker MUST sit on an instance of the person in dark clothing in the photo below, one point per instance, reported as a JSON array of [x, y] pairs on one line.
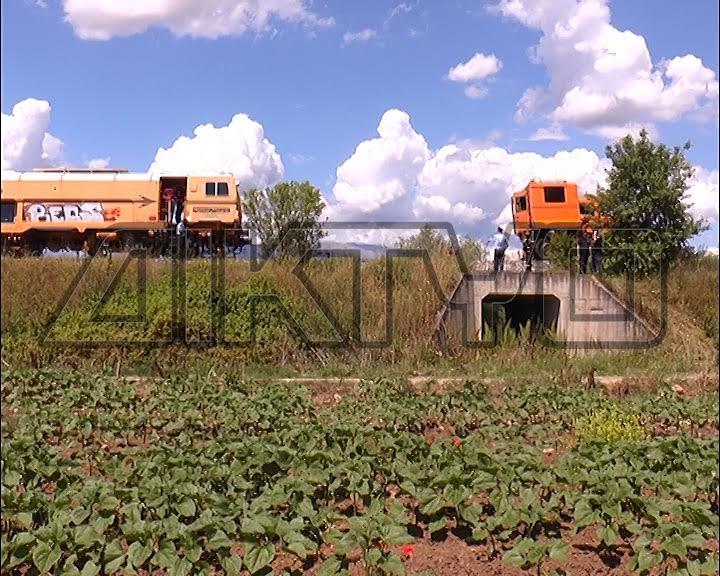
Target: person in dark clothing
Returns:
[[584, 240], [597, 252]]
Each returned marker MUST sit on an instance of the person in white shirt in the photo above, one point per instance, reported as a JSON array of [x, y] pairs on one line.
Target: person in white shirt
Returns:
[[500, 241]]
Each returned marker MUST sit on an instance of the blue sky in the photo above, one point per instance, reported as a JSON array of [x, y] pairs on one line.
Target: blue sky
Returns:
[[318, 96]]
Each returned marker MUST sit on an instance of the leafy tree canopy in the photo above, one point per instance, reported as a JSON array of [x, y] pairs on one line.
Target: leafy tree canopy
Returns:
[[286, 217], [646, 201]]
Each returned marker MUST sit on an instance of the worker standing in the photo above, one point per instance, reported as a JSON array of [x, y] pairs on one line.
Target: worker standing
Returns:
[[584, 240], [597, 252], [500, 240]]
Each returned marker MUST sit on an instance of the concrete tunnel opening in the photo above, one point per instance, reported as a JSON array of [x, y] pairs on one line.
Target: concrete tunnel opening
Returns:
[[542, 311]]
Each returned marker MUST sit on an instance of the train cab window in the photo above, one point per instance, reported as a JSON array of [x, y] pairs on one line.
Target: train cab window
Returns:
[[520, 204], [222, 189], [8, 211], [209, 188], [554, 194]]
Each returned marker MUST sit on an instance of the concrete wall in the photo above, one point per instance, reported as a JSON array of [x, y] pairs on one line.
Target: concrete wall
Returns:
[[590, 316]]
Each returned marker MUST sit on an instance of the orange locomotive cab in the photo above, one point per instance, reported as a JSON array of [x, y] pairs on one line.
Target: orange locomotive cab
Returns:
[[544, 207]]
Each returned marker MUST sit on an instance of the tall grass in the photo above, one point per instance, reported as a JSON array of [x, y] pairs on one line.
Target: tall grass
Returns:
[[32, 290]]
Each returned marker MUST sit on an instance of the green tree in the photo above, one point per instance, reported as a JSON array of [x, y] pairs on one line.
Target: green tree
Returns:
[[435, 243], [426, 239], [286, 217], [645, 201], [563, 250]]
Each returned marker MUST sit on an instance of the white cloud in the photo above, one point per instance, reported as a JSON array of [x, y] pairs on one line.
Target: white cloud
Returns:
[[98, 163], [602, 78], [396, 177], [380, 176], [613, 133], [104, 19], [475, 92], [361, 36], [553, 132], [703, 194], [529, 104], [26, 144], [479, 67], [240, 148]]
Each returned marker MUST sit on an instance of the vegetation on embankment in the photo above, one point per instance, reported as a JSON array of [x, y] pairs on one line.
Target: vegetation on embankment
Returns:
[[117, 337]]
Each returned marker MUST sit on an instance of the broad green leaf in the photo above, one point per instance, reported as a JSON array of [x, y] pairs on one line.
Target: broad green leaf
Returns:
[[186, 508], [373, 556], [22, 539], [437, 525], [166, 554], [219, 540], [138, 553], [331, 567], [251, 526], [647, 559], [514, 557], [433, 506], [24, 520], [583, 514], [232, 565], [392, 564], [676, 546], [193, 551], [87, 535], [558, 550], [609, 534], [180, 567], [258, 556], [90, 569], [108, 502], [395, 535], [45, 556]]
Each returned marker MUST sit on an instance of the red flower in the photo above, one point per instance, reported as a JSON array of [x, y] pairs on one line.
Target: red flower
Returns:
[[457, 442], [408, 551], [429, 441]]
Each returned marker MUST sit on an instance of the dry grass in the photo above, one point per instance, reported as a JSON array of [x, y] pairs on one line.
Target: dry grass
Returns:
[[32, 289]]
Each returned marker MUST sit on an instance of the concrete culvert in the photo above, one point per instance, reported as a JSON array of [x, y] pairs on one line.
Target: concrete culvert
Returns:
[[541, 311]]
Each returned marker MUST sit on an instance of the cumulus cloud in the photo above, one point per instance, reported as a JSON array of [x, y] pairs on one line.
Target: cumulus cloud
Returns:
[[98, 163], [554, 132], [240, 148], [397, 177], [380, 176], [602, 78], [26, 144], [472, 72], [361, 36], [479, 67], [702, 194], [104, 19]]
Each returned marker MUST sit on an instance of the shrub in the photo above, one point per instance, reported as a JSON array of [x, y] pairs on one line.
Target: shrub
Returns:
[[610, 425]]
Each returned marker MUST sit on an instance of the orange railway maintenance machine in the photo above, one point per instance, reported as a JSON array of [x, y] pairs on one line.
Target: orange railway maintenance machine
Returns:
[[78, 209], [543, 208]]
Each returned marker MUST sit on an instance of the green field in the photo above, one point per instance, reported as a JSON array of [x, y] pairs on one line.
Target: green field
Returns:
[[204, 475]]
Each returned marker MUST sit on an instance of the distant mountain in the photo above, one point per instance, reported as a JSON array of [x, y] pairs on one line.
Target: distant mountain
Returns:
[[367, 251]]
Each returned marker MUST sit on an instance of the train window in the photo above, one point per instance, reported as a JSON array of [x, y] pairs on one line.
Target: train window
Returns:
[[222, 189], [209, 188], [554, 194], [520, 204], [8, 211]]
